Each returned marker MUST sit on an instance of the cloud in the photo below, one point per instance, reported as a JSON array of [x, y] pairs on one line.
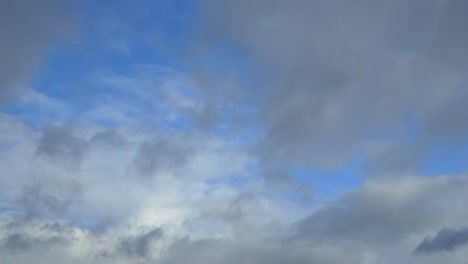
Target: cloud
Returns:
[[22, 242], [60, 144], [160, 156], [39, 200], [22, 237], [385, 211], [191, 166], [446, 240], [384, 218], [140, 245], [108, 138]]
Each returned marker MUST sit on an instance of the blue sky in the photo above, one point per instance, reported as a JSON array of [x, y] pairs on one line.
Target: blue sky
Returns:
[[215, 131]]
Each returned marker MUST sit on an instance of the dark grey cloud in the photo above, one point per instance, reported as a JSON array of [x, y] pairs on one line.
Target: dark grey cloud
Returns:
[[61, 145], [139, 246], [26, 32], [446, 240]]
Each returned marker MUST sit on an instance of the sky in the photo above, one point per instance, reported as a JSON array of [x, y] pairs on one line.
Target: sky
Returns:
[[247, 131]]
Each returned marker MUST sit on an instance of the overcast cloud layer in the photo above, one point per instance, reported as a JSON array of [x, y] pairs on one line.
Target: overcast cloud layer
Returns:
[[216, 131]]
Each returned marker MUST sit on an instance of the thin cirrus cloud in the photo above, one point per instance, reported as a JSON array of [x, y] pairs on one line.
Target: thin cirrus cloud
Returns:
[[233, 132]]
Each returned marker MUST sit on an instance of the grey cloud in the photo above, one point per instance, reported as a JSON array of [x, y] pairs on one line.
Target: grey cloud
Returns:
[[385, 212], [450, 40], [209, 116], [334, 78], [57, 228], [235, 210], [446, 240], [108, 138], [17, 241], [225, 251], [448, 123], [39, 201], [396, 159], [159, 156], [371, 223], [27, 29], [24, 242], [219, 251], [185, 250], [139, 246], [21, 239], [62, 146], [443, 125], [99, 226]]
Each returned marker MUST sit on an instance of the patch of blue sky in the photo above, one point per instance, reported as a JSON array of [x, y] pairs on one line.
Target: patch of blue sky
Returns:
[[328, 184], [239, 180], [68, 65], [91, 223], [5, 201], [8, 210], [165, 44], [31, 114], [446, 159], [68, 70], [233, 181]]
